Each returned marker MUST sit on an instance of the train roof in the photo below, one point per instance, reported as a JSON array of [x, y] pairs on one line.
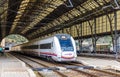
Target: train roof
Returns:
[[43, 38], [61, 34], [50, 36]]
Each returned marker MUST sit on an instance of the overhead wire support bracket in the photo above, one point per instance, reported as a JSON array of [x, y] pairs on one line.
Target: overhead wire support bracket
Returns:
[[117, 6], [70, 4]]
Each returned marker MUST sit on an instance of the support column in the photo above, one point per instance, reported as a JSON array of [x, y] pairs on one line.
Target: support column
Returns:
[[111, 29], [80, 38], [115, 36], [79, 30], [93, 34]]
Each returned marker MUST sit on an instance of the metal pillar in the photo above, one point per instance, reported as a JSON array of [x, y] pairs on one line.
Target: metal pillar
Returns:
[[110, 19], [115, 36], [93, 35], [79, 29], [111, 29], [80, 40]]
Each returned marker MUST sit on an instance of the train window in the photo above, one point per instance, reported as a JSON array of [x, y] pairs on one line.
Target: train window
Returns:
[[6, 48], [45, 46], [52, 44], [30, 47], [66, 45], [34, 46]]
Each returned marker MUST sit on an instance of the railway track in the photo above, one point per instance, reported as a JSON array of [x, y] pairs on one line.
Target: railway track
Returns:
[[33, 64], [100, 72], [37, 64]]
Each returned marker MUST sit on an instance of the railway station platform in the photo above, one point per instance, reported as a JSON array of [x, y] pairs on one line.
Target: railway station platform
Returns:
[[100, 63], [96, 55], [10, 66]]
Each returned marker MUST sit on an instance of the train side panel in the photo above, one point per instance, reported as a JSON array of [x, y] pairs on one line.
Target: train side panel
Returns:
[[46, 47], [56, 49], [74, 45]]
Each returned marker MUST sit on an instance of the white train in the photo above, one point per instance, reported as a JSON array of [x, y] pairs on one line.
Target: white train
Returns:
[[60, 47]]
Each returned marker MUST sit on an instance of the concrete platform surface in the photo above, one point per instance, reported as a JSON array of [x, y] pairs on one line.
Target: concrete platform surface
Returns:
[[100, 63], [112, 56], [10, 66]]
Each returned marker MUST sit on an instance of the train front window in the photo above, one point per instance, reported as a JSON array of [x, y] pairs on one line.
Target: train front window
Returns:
[[66, 44]]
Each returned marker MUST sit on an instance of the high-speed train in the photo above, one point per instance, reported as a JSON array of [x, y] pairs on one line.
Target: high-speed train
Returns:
[[60, 47]]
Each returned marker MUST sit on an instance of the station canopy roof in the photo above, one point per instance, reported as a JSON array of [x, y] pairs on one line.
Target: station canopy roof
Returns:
[[35, 18]]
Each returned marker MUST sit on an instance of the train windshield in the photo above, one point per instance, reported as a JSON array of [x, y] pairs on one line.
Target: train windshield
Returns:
[[66, 44]]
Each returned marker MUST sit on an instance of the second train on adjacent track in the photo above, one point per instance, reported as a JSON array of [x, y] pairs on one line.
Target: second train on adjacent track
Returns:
[[60, 47]]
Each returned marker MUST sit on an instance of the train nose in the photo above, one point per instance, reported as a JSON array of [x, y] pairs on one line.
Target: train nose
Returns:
[[67, 55]]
